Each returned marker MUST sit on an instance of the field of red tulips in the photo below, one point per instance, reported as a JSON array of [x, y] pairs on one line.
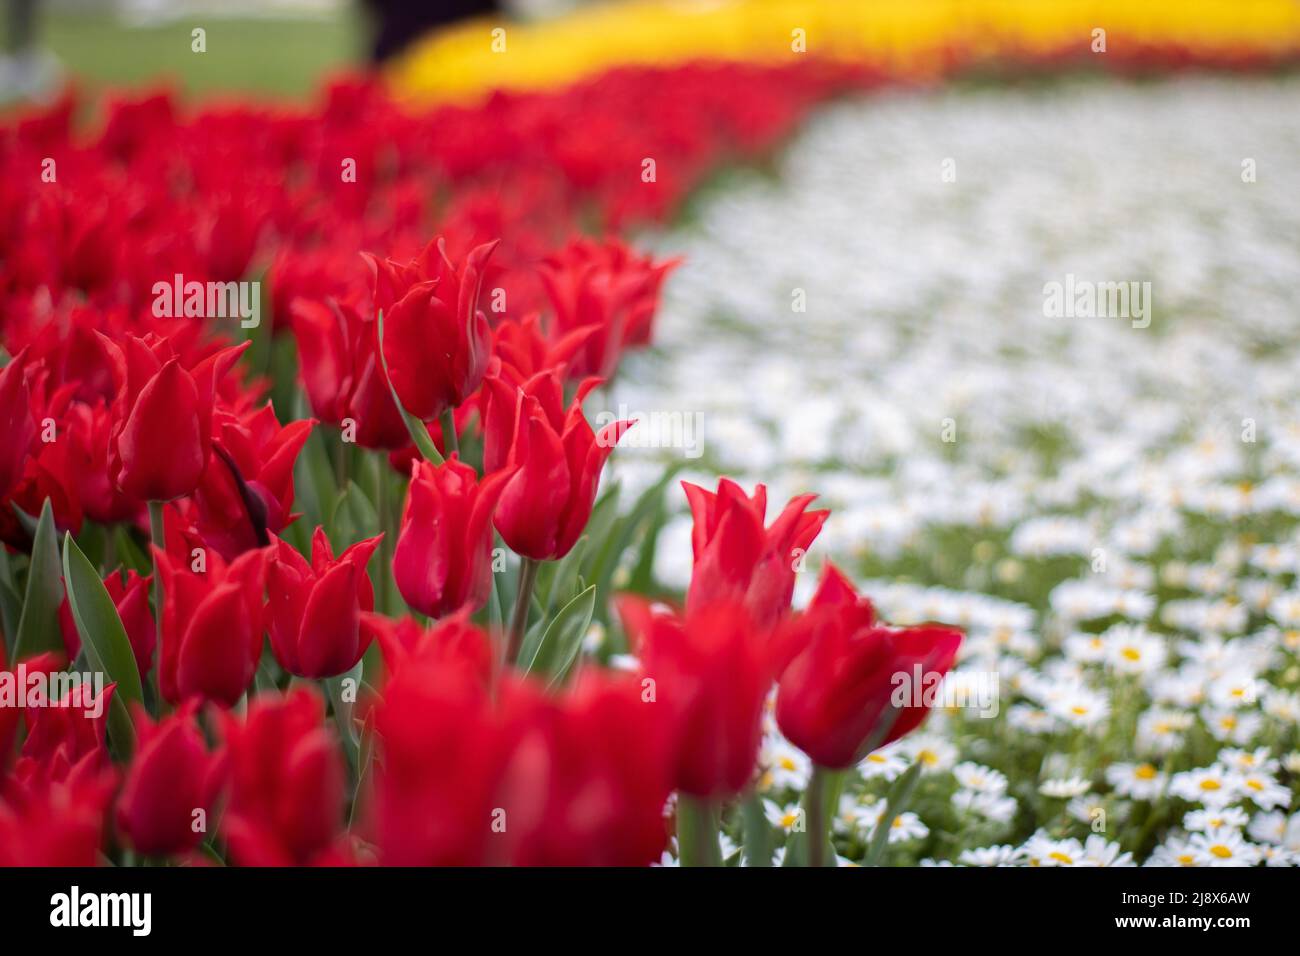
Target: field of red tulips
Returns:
[[299, 483], [322, 546]]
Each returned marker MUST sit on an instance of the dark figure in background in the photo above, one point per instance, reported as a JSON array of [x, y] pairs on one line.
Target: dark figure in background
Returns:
[[398, 22], [25, 68]]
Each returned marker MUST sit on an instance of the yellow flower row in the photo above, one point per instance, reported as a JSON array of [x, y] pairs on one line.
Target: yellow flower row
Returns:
[[911, 37]]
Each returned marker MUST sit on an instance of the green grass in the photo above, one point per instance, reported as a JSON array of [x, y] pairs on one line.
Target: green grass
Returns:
[[277, 58]]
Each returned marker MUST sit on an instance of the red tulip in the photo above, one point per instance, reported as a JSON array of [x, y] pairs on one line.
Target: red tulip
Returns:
[[436, 341], [87, 428], [286, 783], [161, 436], [131, 598], [45, 822], [171, 776], [547, 502], [586, 778], [451, 643], [339, 361], [32, 470], [16, 421], [313, 611], [61, 736], [246, 493], [605, 286], [443, 559], [212, 625], [737, 559], [520, 349], [711, 672], [838, 695], [437, 769], [46, 663]]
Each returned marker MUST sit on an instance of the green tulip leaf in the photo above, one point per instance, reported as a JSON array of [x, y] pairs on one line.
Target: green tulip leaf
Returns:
[[561, 642], [104, 638], [38, 627], [899, 796]]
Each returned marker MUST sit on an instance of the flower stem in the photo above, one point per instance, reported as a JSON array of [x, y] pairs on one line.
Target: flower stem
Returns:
[[519, 619], [159, 541], [449, 440], [697, 832], [815, 810], [384, 509]]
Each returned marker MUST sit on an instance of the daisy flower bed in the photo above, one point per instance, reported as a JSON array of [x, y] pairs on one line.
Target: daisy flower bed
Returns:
[[1106, 505]]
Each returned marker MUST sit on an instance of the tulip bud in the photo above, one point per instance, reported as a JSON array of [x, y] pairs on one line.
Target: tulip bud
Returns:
[[546, 504], [443, 559], [453, 643], [246, 494], [70, 731], [171, 777], [609, 752], [161, 436], [313, 611], [606, 288], [436, 341], [737, 559], [212, 626], [56, 822]]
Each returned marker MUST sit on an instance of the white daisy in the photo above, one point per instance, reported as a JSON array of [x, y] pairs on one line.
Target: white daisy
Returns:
[[1220, 818], [1141, 781], [1131, 649], [1225, 847], [1063, 789], [972, 776], [1213, 786], [1004, 855]]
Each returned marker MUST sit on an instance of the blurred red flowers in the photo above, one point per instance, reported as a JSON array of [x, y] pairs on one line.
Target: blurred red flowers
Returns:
[[170, 786], [710, 671], [286, 784]]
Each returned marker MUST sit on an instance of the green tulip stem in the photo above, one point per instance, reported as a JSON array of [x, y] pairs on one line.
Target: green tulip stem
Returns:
[[159, 540], [449, 440], [817, 819], [519, 619], [697, 832]]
